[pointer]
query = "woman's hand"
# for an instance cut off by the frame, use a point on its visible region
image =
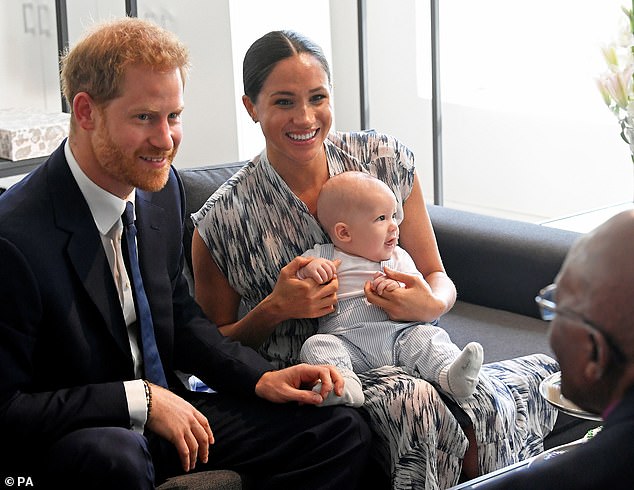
(319, 270)
(293, 297)
(415, 301)
(382, 283)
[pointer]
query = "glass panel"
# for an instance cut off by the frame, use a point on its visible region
(525, 131)
(84, 13)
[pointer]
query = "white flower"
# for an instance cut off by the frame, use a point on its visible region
(624, 33)
(616, 85)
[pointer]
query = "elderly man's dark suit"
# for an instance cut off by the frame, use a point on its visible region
(605, 461)
(64, 349)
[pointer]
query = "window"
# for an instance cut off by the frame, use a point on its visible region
(525, 131)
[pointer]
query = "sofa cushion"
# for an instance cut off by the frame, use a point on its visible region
(204, 480)
(503, 335)
(498, 262)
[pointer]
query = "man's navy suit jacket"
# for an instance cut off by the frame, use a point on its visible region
(64, 350)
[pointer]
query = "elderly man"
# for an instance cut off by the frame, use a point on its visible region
(591, 306)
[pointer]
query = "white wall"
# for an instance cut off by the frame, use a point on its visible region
(218, 33)
(251, 19)
(526, 132)
(395, 59)
(345, 63)
(209, 118)
(83, 13)
(531, 167)
(28, 56)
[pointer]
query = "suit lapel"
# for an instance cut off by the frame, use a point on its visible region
(152, 241)
(149, 225)
(85, 250)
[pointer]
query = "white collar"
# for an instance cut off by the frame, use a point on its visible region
(106, 208)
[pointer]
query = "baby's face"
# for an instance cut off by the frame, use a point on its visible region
(374, 230)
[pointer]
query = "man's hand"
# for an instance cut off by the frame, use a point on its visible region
(295, 383)
(179, 422)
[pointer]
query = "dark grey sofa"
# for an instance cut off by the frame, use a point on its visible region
(498, 266)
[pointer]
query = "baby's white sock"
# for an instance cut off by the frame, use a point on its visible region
(461, 376)
(352, 392)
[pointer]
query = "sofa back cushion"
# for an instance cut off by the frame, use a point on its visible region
(199, 184)
(498, 262)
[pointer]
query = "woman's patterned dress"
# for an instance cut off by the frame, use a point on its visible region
(254, 225)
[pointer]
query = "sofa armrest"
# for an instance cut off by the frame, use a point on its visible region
(498, 262)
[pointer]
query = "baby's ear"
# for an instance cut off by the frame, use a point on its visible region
(341, 231)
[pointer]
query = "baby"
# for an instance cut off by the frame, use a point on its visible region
(359, 213)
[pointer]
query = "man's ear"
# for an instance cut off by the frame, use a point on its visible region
(341, 231)
(250, 107)
(84, 111)
(598, 357)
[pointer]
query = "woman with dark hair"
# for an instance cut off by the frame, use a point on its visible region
(246, 252)
(263, 55)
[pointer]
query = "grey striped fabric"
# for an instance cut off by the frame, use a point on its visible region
(367, 337)
(254, 225)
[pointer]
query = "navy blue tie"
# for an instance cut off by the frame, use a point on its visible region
(151, 360)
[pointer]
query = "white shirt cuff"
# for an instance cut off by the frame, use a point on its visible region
(137, 404)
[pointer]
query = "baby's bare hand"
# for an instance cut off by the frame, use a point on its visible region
(381, 283)
(303, 298)
(319, 270)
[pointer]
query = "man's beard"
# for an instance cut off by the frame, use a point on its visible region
(128, 168)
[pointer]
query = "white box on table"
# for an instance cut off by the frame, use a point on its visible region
(27, 134)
